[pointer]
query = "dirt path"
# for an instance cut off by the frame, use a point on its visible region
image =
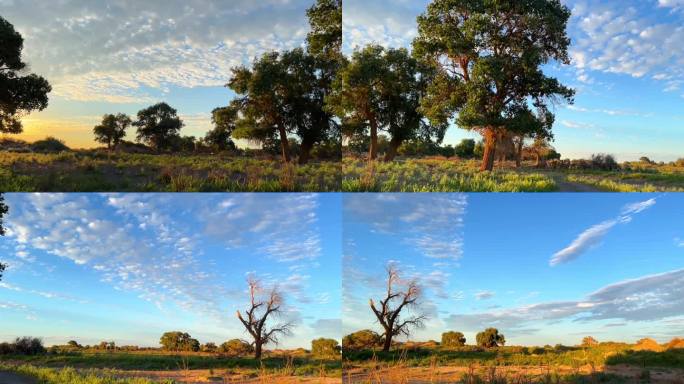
(13, 378)
(568, 186)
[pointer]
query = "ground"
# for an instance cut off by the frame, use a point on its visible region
(97, 171)
(14, 378)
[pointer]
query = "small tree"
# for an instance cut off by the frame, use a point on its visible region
(158, 125)
(490, 338)
(209, 347)
(19, 95)
(112, 130)
(263, 306)
(364, 339)
(179, 342)
(236, 347)
(453, 339)
(224, 120)
(74, 344)
(325, 347)
(396, 300)
(465, 149)
(589, 341)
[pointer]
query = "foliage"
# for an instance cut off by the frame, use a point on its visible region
(158, 125)
(179, 341)
(604, 162)
(19, 95)
(364, 339)
(489, 56)
(224, 124)
(589, 341)
(236, 347)
(112, 129)
(49, 145)
(490, 338)
(323, 347)
(465, 149)
(453, 339)
(28, 346)
(70, 376)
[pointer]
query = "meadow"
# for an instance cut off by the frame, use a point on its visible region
(441, 174)
(429, 363)
(98, 171)
(143, 367)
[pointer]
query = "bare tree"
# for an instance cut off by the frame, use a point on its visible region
(263, 305)
(397, 299)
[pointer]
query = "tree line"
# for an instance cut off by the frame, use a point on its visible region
(473, 63)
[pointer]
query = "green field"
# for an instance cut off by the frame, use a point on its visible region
(96, 171)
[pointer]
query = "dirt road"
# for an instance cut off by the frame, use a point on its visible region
(13, 378)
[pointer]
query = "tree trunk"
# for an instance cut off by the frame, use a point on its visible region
(284, 145)
(388, 342)
(489, 150)
(257, 350)
(373, 152)
(305, 151)
(394, 145)
(518, 152)
(539, 160)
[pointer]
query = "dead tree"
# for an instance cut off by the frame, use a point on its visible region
(397, 299)
(263, 306)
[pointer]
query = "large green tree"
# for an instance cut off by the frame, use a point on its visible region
(112, 129)
(3, 211)
(158, 126)
(489, 55)
(179, 342)
(490, 338)
(224, 120)
(19, 94)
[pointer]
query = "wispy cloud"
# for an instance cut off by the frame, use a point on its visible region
(484, 295)
(594, 235)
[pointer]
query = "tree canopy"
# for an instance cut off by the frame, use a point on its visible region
(364, 339)
(112, 129)
(490, 338)
(489, 57)
(224, 120)
(323, 347)
(453, 339)
(158, 126)
(179, 342)
(19, 95)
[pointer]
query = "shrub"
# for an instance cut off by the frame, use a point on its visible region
(490, 338)
(325, 347)
(28, 346)
(604, 162)
(49, 145)
(365, 339)
(453, 339)
(236, 347)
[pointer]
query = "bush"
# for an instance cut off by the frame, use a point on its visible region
(453, 339)
(365, 339)
(49, 145)
(236, 347)
(604, 162)
(490, 338)
(325, 347)
(28, 346)
(465, 149)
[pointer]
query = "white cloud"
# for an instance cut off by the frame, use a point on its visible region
(484, 295)
(593, 236)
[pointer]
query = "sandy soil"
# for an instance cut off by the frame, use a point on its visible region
(199, 376)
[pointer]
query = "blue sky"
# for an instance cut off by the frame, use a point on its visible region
(543, 269)
(121, 56)
(627, 61)
(129, 267)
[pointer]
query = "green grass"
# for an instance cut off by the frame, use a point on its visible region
(91, 171)
(148, 361)
(72, 376)
(434, 175)
(628, 182)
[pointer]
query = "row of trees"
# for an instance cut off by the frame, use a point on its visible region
(368, 339)
(475, 63)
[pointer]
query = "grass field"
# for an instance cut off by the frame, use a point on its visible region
(438, 174)
(606, 363)
(96, 171)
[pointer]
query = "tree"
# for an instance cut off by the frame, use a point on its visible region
(209, 347)
(179, 342)
(465, 149)
(74, 344)
(490, 338)
(364, 339)
(264, 305)
(158, 125)
(19, 95)
(3, 211)
(453, 339)
(224, 124)
(236, 347)
(325, 347)
(589, 341)
(489, 55)
(325, 20)
(112, 129)
(396, 300)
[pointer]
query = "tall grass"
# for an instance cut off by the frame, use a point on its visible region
(72, 376)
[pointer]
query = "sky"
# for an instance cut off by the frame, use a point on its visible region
(627, 69)
(124, 55)
(129, 267)
(543, 269)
